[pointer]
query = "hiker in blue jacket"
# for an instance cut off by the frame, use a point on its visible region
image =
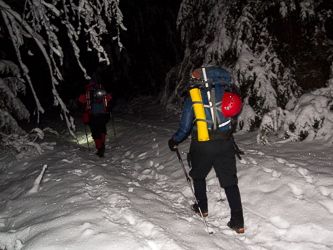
(219, 150)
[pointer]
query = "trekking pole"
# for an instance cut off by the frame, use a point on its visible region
(114, 131)
(220, 190)
(237, 150)
(85, 127)
(190, 184)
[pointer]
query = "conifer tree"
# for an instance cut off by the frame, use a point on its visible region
(275, 51)
(44, 24)
(11, 107)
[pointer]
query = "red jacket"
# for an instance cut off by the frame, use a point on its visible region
(83, 97)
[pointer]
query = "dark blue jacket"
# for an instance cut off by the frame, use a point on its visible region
(219, 76)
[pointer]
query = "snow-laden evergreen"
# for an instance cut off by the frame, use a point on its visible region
(11, 107)
(45, 22)
(254, 41)
(310, 119)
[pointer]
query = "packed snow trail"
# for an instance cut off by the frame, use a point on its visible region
(137, 196)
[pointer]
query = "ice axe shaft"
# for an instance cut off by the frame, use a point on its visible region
(208, 94)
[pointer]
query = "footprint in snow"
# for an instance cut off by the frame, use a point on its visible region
(67, 161)
(304, 172)
(324, 190)
(146, 228)
(127, 154)
(126, 161)
(297, 191)
(252, 151)
(146, 171)
(118, 201)
(291, 165)
(328, 204)
(156, 164)
(86, 229)
(276, 174)
(142, 156)
(273, 172)
(243, 161)
(267, 170)
(138, 225)
(283, 161)
(279, 222)
(77, 172)
(130, 219)
(280, 160)
(252, 161)
(88, 232)
(134, 183)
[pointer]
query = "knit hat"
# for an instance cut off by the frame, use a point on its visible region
(196, 73)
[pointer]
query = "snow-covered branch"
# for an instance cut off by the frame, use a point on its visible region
(311, 119)
(44, 21)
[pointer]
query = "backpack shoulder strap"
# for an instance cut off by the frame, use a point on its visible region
(88, 98)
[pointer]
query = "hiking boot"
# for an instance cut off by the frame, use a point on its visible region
(237, 229)
(100, 152)
(236, 222)
(202, 204)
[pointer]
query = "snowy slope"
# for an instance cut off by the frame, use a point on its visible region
(137, 197)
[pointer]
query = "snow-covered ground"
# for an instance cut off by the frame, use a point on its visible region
(137, 197)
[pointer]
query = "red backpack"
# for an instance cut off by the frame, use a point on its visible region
(96, 101)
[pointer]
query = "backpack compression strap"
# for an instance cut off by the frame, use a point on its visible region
(218, 118)
(198, 119)
(215, 116)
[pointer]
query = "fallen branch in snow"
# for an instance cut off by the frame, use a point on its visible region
(37, 181)
(20, 145)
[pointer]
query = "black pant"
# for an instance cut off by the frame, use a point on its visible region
(97, 124)
(219, 154)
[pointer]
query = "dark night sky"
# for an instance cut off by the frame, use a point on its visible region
(152, 48)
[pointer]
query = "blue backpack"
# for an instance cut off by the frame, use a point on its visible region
(96, 99)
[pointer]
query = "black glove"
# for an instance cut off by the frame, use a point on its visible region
(173, 144)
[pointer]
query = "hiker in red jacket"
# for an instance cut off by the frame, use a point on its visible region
(96, 110)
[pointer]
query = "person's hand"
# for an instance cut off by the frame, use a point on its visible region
(173, 144)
